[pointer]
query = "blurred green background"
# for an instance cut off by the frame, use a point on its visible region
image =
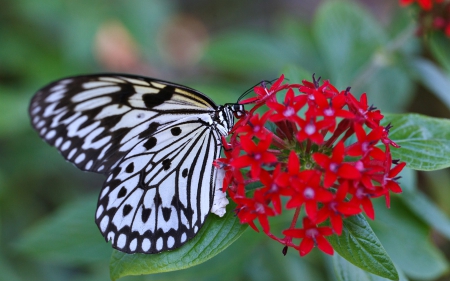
(222, 48)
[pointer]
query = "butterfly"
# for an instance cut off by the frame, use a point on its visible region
(154, 140)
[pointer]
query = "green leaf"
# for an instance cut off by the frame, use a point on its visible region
(68, 236)
(346, 271)
(424, 141)
(295, 74)
(407, 240)
(432, 77)
(425, 209)
(439, 47)
(244, 52)
(347, 37)
(215, 235)
(359, 245)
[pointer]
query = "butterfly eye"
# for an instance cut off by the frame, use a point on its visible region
(238, 110)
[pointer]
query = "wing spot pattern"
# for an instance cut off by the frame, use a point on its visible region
(72, 153)
(88, 94)
(159, 244)
(146, 244)
(99, 211)
(170, 242)
(89, 164)
(58, 87)
(150, 143)
(153, 100)
(184, 173)
(36, 119)
(111, 236)
(183, 237)
(122, 192)
(146, 214)
(127, 209)
(40, 124)
(80, 158)
(66, 145)
(166, 164)
(166, 213)
(175, 131)
(58, 141)
(51, 134)
(104, 223)
(104, 192)
(130, 168)
(121, 241)
(36, 110)
(95, 84)
(133, 245)
(57, 94)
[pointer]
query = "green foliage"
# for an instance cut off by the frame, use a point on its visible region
(47, 229)
(359, 245)
(424, 141)
(215, 235)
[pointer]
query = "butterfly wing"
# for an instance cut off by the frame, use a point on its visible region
(155, 140)
(95, 120)
(158, 197)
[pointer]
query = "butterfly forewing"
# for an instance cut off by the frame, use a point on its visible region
(90, 118)
(156, 141)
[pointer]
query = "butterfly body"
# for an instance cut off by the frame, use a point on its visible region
(156, 142)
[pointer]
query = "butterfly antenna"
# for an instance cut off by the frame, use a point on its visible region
(262, 83)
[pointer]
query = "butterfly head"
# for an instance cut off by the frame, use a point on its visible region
(225, 115)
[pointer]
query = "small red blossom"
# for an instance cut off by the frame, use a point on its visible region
(337, 208)
(257, 155)
(366, 143)
(255, 126)
(311, 236)
(311, 129)
(320, 150)
(289, 109)
(424, 4)
(434, 15)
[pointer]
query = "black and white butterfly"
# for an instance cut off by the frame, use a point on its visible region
(154, 140)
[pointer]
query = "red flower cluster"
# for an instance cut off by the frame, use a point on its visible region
(319, 149)
(435, 15)
(427, 5)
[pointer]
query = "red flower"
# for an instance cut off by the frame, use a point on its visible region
(257, 155)
(311, 130)
(289, 109)
(329, 109)
(337, 208)
(425, 4)
(312, 235)
(362, 197)
(366, 143)
(255, 126)
(272, 190)
(255, 207)
(264, 94)
(334, 167)
(302, 153)
(308, 191)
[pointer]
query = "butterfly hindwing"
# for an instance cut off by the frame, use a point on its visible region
(158, 197)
